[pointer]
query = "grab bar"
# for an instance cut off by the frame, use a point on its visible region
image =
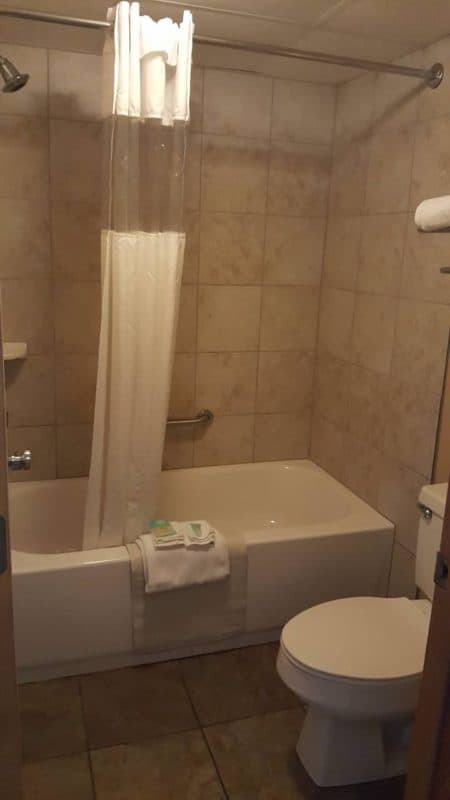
(202, 417)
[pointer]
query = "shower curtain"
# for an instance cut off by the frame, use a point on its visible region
(147, 68)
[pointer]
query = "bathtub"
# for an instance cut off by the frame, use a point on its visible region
(308, 539)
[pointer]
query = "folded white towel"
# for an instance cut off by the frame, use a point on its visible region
(177, 567)
(196, 534)
(433, 214)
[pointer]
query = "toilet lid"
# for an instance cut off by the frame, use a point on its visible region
(370, 638)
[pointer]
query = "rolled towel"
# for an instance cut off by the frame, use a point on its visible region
(166, 534)
(433, 214)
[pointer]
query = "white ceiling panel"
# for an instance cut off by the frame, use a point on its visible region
(413, 21)
(308, 12)
(344, 44)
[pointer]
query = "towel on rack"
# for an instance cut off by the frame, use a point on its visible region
(433, 214)
(167, 568)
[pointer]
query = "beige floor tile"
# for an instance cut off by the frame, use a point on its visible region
(256, 757)
(58, 779)
(131, 704)
(51, 719)
(235, 684)
(176, 767)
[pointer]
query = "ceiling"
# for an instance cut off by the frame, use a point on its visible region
(382, 30)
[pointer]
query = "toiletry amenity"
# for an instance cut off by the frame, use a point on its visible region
(433, 214)
(176, 555)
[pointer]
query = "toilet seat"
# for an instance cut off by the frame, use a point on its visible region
(357, 656)
(363, 638)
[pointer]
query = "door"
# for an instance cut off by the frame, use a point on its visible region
(10, 758)
(429, 762)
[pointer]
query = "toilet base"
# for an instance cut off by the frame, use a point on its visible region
(337, 751)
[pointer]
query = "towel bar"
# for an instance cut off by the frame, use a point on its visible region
(202, 417)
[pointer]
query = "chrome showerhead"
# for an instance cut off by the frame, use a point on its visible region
(13, 79)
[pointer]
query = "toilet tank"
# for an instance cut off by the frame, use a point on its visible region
(432, 501)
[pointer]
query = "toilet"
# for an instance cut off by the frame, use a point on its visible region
(357, 663)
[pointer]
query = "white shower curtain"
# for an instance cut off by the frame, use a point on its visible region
(147, 68)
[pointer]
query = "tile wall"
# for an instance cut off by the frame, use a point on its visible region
(257, 183)
(385, 308)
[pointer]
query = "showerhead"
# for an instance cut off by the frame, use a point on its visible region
(13, 79)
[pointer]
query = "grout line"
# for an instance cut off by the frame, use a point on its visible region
(321, 287)
(204, 737)
(262, 285)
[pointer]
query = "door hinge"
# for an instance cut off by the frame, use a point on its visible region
(3, 546)
(441, 571)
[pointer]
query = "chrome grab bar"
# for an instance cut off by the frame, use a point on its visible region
(20, 460)
(202, 417)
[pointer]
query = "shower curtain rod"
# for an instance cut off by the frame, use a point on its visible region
(432, 76)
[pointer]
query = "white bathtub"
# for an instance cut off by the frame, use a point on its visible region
(308, 540)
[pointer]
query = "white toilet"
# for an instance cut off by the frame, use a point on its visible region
(357, 664)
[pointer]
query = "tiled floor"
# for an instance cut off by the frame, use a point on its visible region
(207, 728)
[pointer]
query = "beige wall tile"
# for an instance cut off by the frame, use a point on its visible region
(231, 248)
(398, 495)
(24, 157)
(396, 100)
(431, 160)
(178, 448)
(28, 313)
(183, 386)
(303, 112)
(284, 382)
(187, 320)
(75, 256)
(298, 179)
(331, 389)
(282, 436)
(77, 316)
(234, 174)
(33, 100)
(75, 161)
(362, 468)
(73, 450)
(373, 331)
(76, 377)
(294, 251)
(342, 252)
(424, 255)
(335, 322)
(367, 394)
(354, 108)
(192, 171)
(226, 382)
(402, 581)
(24, 238)
(411, 424)
(41, 442)
(421, 343)
(30, 391)
(192, 246)
(381, 255)
(237, 104)
(289, 318)
(327, 447)
(228, 318)
(196, 99)
(389, 171)
(229, 440)
(75, 85)
(348, 177)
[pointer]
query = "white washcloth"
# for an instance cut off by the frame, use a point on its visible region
(433, 214)
(196, 534)
(177, 567)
